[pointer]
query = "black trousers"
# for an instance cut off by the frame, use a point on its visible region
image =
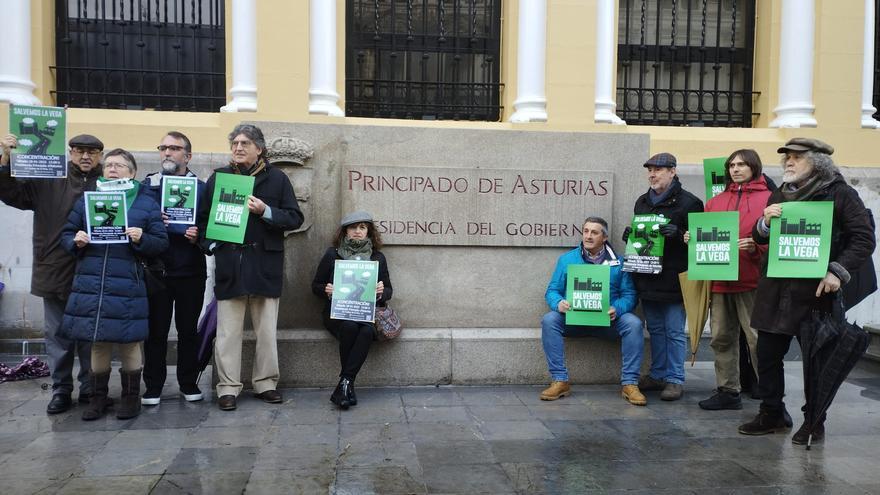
(772, 348)
(354, 338)
(183, 297)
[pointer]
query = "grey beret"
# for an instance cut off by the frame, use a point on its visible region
(356, 217)
(801, 144)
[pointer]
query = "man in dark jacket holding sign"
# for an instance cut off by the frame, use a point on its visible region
(782, 304)
(660, 293)
(250, 275)
(51, 200)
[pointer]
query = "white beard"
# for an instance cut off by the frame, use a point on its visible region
(169, 167)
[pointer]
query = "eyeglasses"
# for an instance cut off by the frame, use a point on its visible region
(113, 165)
(85, 151)
(243, 144)
(172, 147)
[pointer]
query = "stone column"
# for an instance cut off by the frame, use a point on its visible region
(243, 93)
(606, 42)
(323, 98)
(795, 107)
(15, 69)
(868, 109)
(531, 57)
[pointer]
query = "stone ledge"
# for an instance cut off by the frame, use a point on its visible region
(440, 356)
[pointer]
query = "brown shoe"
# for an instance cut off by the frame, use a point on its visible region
(672, 391)
(226, 402)
(556, 390)
(633, 395)
(271, 396)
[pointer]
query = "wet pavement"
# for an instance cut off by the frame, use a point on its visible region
(440, 440)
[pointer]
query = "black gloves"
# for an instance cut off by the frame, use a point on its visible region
(668, 230)
(626, 232)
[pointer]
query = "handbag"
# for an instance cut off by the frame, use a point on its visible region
(154, 274)
(387, 323)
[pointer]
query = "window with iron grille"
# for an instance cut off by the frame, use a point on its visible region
(136, 54)
(423, 59)
(876, 99)
(686, 62)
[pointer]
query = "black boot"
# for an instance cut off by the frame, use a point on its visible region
(765, 422)
(340, 396)
(802, 436)
(98, 402)
(352, 397)
(130, 403)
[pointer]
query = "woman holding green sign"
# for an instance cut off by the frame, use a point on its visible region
(108, 301)
(356, 239)
(746, 192)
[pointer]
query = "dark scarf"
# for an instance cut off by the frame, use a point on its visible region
(807, 190)
(253, 170)
(656, 198)
(356, 250)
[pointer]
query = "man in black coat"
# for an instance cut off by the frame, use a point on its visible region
(660, 294)
(52, 275)
(782, 304)
(250, 275)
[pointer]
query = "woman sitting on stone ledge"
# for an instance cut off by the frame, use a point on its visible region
(356, 239)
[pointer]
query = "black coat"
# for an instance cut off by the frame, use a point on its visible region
(664, 286)
(108, 302)
(782, 303)
(324, 276)
(182, 258)
(257, 266)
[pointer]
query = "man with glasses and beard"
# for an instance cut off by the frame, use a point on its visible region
(52, 273)
(182, 294)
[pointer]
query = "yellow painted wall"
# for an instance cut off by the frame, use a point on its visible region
(283, 82)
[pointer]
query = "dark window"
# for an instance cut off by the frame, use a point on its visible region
(135, 54)
(876, 98)
(686, 62)
(423, 59)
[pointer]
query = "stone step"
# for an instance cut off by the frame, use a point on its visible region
(873, 352)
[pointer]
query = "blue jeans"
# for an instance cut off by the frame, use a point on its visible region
(627, 326)
(668, 343)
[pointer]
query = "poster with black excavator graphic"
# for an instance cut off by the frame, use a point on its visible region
(800, 240)
(587, 290)
(229, 213)
(180, 198)
(713, 250)
(713, 171)
(644, 249)
(106, 217)
(354, 290)
(42, 141)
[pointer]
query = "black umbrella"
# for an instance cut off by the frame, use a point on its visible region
(831, 347)
(207, 330)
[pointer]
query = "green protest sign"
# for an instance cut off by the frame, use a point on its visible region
(42, 141)
(588, 291)
(644, 249)
(106, 217)
(713, 250)
(354, 290)
(800, 240)
(180, 198)
(713, 172)
(229, 214)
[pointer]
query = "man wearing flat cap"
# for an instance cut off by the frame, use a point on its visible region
(52, 274)
(660, 294)
(782, 304)
(250, 276)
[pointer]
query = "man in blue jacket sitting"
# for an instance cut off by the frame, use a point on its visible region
(593, 250)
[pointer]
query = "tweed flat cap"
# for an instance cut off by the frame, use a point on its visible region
(356, 217)
(806, 144)
(86, 141)
(662, 160)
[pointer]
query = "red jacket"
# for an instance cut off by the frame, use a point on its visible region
(749, 199)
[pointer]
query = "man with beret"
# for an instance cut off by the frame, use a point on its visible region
(660, 294)
(250, 276)
(52, 274)
(782, 304)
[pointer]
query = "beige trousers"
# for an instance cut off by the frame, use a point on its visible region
(729, 314)
(227, 345)
(130, 354)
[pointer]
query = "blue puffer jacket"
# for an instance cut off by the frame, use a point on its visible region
(108, 302)
(623, 291)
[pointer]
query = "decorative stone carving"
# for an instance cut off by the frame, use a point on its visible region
(286, 151)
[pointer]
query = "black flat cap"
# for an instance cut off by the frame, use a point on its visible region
(800, 145)
(662, 160)
(86, 141)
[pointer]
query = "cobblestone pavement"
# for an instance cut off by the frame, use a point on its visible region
(498, 439)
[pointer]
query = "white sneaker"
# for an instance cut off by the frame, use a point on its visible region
(193, 397)
(150, 401)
